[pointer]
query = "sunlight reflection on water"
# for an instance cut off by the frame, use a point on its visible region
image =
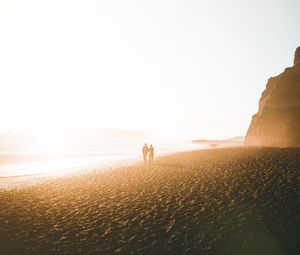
(52, 167)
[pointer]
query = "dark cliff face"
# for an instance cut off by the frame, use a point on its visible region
(277, 122)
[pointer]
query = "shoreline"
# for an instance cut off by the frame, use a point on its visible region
(22, 181)
(26, 179)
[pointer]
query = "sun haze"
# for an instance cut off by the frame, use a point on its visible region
(181, 69)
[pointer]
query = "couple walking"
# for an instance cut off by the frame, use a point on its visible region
(147, 150)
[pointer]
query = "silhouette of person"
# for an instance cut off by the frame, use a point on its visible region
(145, 151)
(151, 154)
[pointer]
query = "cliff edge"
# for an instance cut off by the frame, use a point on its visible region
(277, 122)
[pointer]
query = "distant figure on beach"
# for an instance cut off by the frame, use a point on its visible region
(213, 145)
(151, 154)
(145, 151)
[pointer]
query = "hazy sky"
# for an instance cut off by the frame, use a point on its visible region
(186, 69)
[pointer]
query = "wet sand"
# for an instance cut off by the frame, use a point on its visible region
(22, 180)
(223, 201)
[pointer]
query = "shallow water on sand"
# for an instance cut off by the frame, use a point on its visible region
(56, 167)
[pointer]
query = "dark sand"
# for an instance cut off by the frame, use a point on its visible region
(224, 201)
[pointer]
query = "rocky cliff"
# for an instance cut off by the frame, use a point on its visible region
(277, 122)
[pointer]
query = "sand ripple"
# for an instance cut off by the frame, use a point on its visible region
(229, 201)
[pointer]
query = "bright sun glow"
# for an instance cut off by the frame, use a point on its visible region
(57, 105)
(175, 69)
(49, 145)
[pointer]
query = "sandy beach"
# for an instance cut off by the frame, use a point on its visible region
(222, 201)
